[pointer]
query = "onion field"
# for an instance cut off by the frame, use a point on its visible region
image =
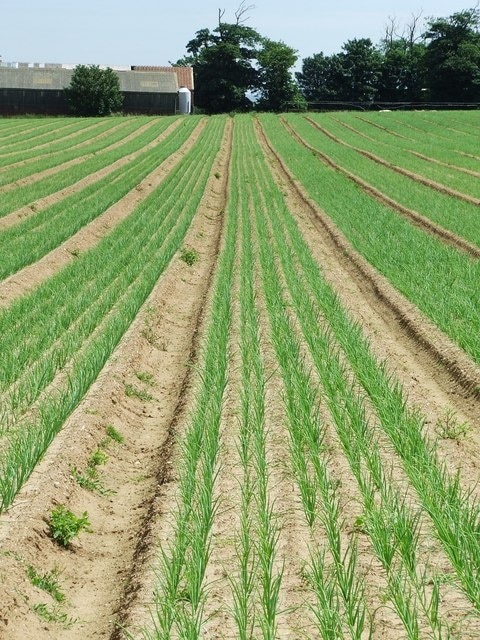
(242, 354)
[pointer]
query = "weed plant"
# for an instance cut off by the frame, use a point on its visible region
(65, 525)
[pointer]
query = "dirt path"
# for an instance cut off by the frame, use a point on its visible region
(26, 279)
(104, 570)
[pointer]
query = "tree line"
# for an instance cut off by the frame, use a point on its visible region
(236, 68)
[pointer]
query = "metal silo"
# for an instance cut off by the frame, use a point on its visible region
(184, 101)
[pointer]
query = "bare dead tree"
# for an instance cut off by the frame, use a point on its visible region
(240, 13)
(391, 30)
(412, 34)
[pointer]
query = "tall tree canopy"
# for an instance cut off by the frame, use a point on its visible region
(402, 74)
(278, 90)
(351, 75)
(223, 64)
(234, 60)
(453, 56)
(360, 70)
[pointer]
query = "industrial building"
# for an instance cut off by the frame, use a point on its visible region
(39, 89)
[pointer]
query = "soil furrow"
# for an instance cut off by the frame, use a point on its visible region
(35, 177)
(469, 172)
(382, 128)
(132, 612)
(101, 574)
(463, 372)
(38, 205)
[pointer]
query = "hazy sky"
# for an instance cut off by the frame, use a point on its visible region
(116, 32)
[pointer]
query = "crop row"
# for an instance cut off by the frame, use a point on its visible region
(449, 212)
(279, 280)
(31, 239)
(447, 294)
(29, 193)
(32, 162)
(51, 132)
(391, 526)
(56, 340)
(394, 132)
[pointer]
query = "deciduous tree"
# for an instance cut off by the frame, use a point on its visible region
(453, 56)
(223, 62)
(278, 90)
(94, 91)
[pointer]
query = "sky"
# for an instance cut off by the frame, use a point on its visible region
(152, 32)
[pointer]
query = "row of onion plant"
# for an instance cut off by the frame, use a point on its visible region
(452, 509)
(446, 292)
(257, 588)
(408, 137)
(59, 134)
(452, 140)
(66, 329)
(92, 143)
(31, 239)
(335, 584)
(462, 218)
(387, 148)
(392, 526)
(179, 596)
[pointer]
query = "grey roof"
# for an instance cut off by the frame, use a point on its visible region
(57, 79)
(34, 78)
(148, 81)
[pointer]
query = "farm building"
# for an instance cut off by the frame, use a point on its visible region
(39, 90)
